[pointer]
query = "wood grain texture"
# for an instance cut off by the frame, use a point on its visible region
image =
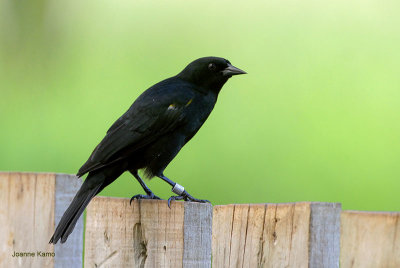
(271, 235)
(27, 219)
(286, 233)
(324, 247)
(149, 234)
(221, 235)
(370, 239)
(68, 254)
(144, 234)
(197, 235)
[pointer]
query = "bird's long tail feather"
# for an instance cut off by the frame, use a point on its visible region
(74, 211)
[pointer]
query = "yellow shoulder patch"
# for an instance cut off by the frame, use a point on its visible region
(189, 102)
(172, 106)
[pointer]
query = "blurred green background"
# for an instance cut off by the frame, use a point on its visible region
(316, 119)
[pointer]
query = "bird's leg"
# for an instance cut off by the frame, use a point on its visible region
(181, 192)
(150, 194)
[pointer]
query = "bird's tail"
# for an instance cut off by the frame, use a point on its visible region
(67, 223)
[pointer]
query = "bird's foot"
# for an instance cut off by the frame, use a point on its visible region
(185, 196)
(142, 196)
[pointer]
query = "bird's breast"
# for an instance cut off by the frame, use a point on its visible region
(196, 113)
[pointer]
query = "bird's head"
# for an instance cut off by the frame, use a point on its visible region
(211, 73)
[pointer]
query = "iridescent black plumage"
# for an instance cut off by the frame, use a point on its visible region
(151, 133)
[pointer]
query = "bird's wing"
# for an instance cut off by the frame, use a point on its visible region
(150, 117)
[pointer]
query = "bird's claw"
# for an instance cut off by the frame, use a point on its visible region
(142, 196)
(187, 197)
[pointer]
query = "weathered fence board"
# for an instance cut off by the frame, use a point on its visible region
(147, 234)
(276, 235)
(68, 254)
(324, 245)
(370, 239)
(29, 207)
(197, 235)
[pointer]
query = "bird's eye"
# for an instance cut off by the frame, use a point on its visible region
(212, 67)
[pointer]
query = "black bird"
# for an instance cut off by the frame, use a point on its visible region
(150, 134)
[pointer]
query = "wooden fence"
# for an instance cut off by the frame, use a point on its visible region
(149, 234)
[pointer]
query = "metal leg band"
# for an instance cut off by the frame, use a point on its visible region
(178, 189)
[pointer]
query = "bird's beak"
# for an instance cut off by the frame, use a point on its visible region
(232, 70)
